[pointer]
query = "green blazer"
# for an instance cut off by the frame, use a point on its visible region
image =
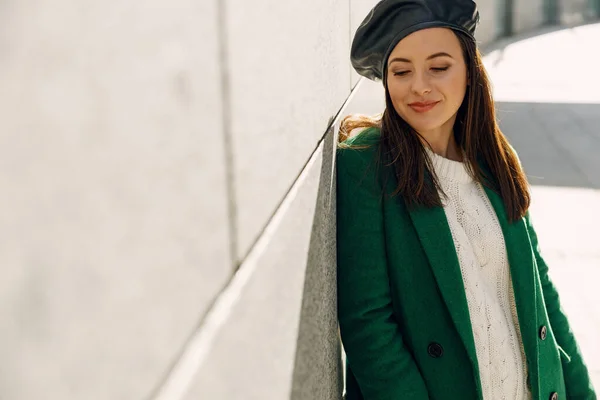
(402, 309)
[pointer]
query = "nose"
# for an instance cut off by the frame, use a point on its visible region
(420, 84)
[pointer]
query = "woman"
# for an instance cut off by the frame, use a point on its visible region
(442, 291)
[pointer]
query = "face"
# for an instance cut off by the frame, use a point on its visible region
(427, 80)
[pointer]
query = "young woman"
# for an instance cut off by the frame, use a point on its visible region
(442, 291)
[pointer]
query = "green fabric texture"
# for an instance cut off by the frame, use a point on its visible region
(400, 294)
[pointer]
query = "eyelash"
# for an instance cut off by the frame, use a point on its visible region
(402, 73)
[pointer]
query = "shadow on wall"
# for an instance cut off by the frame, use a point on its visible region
(318, 349)
(558, 144)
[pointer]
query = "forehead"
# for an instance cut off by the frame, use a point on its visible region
(424, 42)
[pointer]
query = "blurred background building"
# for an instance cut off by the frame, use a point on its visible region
(167, 194)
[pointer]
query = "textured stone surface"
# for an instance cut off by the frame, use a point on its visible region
(279, 340)
(289, 76)
(113, 209)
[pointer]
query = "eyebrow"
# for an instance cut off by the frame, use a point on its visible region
(440, 54)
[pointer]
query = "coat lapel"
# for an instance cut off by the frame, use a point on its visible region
(435, 236)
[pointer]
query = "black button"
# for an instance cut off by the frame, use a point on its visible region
(435, 350)
(554, 396)
(543, 332)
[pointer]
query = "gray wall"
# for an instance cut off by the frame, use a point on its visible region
(168, 203)
(114, 199)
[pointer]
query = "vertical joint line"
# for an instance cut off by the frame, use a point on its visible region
(227, 134)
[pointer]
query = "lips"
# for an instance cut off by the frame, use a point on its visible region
(422, 107)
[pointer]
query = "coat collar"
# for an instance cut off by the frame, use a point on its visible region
(435, 236)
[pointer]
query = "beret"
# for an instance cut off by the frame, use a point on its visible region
(392, 20)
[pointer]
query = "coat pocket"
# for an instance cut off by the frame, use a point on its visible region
(564, 354)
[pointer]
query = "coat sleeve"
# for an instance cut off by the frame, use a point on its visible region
(577, 379)
(375, 352)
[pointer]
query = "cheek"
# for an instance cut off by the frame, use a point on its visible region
(454, 87)
(398, 93)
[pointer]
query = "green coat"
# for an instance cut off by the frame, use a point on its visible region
(402, 309)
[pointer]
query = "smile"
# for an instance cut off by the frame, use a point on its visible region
(422, 107)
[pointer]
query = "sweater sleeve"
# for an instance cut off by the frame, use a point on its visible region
(577, 379)
(375, 352)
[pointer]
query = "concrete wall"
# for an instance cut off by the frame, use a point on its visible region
(114, 216)
(168, 208)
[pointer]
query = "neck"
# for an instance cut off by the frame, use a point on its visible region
(443, 144)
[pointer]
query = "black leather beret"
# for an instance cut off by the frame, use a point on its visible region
(392, 20)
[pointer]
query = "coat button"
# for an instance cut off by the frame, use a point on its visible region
(435, 350)
(543, 332)
(554, 396)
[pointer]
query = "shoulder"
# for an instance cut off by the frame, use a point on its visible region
(359, 151)
(366, 136)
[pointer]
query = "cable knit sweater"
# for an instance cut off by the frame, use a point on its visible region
(481, 251)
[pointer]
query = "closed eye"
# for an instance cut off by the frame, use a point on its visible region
(439, 69)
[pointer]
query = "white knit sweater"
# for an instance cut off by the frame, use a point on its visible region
(481, 251)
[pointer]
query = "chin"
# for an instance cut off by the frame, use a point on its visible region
(424, 126)
(426, 122)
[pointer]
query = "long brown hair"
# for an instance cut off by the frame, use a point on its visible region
(476, 132)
